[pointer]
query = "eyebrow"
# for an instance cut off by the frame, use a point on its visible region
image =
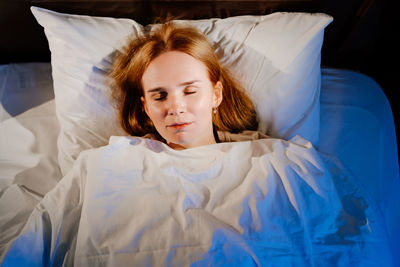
(157, 89)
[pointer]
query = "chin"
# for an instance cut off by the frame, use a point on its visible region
(181, 139)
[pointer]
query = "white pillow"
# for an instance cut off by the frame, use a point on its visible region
(276, 56)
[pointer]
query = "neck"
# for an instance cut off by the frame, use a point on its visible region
(184, 146)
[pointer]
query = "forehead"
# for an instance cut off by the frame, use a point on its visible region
(173, 68)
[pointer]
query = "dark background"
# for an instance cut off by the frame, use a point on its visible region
(363, 36)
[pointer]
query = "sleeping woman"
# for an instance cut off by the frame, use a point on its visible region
(178, 191)
(171, 85)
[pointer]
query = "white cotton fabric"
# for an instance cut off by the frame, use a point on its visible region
(276, 56)
(28, 129)
(253, 203)
(28, 150)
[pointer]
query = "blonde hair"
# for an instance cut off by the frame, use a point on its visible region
(236, 111)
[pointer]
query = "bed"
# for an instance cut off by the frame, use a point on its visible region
(346, 117)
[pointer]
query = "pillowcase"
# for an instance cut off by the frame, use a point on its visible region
(276, 56)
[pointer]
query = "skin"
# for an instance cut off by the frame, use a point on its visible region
(179, 99)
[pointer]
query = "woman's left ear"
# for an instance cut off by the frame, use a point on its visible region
(218, 88)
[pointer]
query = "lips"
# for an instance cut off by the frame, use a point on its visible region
(179, 125)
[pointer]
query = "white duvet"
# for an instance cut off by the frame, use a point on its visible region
(137, 202)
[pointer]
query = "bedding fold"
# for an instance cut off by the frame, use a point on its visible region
(261, 202)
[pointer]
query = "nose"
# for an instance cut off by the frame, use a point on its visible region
(176, 105)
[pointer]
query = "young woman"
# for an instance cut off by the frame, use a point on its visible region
(170, 85)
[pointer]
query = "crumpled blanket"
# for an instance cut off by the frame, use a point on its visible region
(265, 202)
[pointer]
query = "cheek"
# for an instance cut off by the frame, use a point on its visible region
(154, 112)
(202, 105)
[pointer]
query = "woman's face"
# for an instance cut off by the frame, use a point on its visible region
(179, 98)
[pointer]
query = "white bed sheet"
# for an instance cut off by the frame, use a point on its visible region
(28, 128)
(28, 136)
(359, 131)
(265, 202)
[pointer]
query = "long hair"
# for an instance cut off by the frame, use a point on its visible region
(236, 111)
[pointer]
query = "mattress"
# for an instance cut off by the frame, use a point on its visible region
(357, 127)
(357, 133)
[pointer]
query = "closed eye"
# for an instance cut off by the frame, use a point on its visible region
(190, 92)
(160, 96)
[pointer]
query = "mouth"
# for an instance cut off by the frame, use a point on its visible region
(178, 126)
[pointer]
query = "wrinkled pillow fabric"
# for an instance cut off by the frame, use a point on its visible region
(277, 57)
